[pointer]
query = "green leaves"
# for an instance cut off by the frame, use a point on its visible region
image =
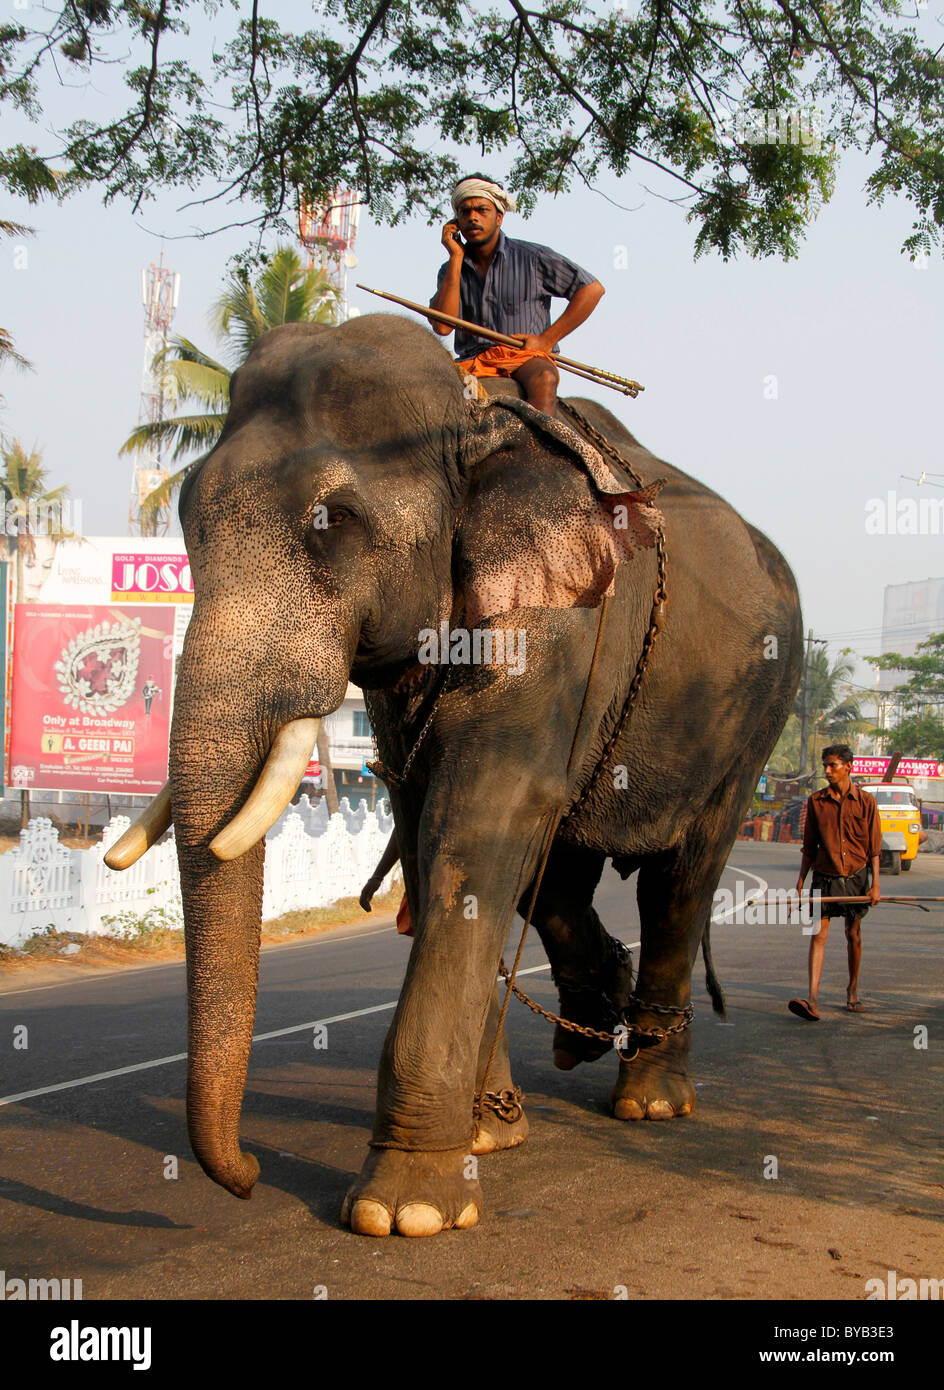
(397, 97)
(926, 684)
(920, 729)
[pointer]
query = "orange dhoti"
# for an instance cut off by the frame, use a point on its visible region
(404, 925)
(500, 360)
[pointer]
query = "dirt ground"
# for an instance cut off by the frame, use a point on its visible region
(42, 961)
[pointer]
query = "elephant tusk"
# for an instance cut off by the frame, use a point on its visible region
(146, 831)
(275, 786)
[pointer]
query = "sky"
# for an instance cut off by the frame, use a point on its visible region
(800, 391)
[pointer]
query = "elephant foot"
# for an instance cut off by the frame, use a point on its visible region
(501, 1125)
(655, 1085)
(594, 1000)
(414, 1194)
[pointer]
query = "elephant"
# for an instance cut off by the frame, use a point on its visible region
(360, 498)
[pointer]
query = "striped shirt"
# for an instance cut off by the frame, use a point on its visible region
(515, 296)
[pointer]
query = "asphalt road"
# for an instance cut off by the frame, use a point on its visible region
(850, 1109)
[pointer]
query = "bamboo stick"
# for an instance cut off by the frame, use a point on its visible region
(598, 374)
(896, 898)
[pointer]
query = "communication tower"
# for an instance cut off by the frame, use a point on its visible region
(160, 290)
(328, 233)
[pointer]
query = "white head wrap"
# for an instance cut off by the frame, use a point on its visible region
(482, 188)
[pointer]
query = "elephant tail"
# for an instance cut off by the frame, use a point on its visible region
(712, 984)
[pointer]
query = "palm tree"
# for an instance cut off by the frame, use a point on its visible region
(23, 482)
(834, 715)
(8, 352)
(284, 292)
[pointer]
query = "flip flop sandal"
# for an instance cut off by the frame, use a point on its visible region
(802, 1010)
(855, 1007)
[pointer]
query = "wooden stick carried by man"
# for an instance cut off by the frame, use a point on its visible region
(496, 292)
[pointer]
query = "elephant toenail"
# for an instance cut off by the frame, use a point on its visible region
(468, 1217)
(484, 1143)
(659, 1110)
(370, 1218)
(628, 1109)
(419, 1219)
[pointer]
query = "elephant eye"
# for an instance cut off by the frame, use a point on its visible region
(326, 518)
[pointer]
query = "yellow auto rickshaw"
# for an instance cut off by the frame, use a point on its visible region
(899, 811)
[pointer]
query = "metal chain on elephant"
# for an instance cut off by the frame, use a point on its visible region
(506, 1104)
(379, 768)
(660, 1034)
(656, 615)
(599, 439)
(656, 622)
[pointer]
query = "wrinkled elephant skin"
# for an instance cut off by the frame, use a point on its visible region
(356, 501)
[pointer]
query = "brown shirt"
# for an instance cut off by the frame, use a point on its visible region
(841, 834)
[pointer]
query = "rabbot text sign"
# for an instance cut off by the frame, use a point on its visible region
(92, 691)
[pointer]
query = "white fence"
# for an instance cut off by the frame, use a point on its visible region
(311, 860)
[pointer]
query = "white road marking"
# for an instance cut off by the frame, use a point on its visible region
(289, 945)
(299, 1027)
(752, 897)
(182, 1056)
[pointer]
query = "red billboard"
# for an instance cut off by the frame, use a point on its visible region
(92, 688)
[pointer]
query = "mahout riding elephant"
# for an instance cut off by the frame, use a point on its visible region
(358, 500)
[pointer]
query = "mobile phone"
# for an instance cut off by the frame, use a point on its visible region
(457, 238)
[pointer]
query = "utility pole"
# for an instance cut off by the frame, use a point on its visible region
(805, 703)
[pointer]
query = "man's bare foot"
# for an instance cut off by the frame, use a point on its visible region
(804, 1009)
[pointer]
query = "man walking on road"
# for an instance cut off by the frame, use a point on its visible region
(507, 286)
(842, 841)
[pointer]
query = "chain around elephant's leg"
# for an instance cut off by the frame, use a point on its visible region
(673, 894)
(500, 1121)
(422, 1173)
(592, 970)
(655, 1085)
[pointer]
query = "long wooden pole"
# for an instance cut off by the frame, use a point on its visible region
(897, 898)
(605, 378)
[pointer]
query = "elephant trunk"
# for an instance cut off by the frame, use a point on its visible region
(235, 761)
(222, 918)
(210, 781)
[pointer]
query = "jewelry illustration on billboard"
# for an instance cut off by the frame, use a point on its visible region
(98, 669)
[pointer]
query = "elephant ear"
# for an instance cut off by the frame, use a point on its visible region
(546, 519)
